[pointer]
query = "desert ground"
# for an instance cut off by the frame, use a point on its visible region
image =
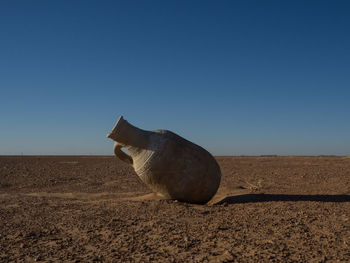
(96, 209)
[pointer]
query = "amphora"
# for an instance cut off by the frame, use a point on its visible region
(167, 163)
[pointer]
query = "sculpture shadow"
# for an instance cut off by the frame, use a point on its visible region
(258, 198)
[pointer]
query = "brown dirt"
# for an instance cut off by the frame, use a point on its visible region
(268, 209)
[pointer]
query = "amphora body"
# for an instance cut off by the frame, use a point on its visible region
(167, 163)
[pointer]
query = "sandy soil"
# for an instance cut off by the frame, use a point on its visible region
(95, 209)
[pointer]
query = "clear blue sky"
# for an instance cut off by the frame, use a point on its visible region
(236, 77)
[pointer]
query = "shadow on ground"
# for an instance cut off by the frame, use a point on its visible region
(255, 198)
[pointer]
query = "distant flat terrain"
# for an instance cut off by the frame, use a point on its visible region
(96, 209)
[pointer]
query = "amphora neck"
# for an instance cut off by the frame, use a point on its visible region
(129, 135)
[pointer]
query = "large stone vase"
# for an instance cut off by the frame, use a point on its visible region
(167, 163)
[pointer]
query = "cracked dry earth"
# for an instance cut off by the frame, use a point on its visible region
(95, 209)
